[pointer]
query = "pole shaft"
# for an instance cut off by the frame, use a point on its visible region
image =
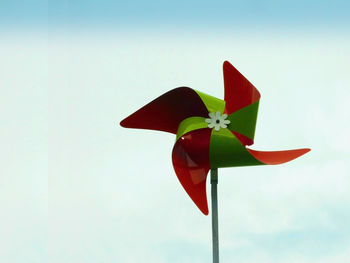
(214, 213)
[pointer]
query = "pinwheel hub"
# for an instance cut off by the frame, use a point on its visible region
(217, 121)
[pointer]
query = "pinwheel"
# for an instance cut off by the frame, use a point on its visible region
(210, 133)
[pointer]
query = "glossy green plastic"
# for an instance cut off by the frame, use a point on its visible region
(190, 124)
(226, 150)
(213, 104)
(243, 121)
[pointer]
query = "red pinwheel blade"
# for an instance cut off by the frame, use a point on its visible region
(277, 157)
(239, 92)
(167, 111)
(191, 163)
(243, 139)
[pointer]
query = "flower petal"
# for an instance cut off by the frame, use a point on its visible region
(208, 120)
(211, 115)
(226, 122)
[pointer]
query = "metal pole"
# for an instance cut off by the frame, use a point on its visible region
(214, 213)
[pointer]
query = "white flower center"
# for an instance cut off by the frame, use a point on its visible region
(217, 121)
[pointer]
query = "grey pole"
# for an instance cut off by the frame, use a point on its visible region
(214, 213)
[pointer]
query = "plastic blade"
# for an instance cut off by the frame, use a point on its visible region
(239, 92)
(167, 111)
(191, 163)
(277, 157)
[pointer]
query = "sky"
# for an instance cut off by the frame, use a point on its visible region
(154, 14)
(78, 188)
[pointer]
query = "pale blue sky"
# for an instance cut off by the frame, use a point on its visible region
(109, 13)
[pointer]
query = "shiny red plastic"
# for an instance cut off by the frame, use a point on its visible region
(277, 157)
(191, 163)
(239, 92)
(167, 111)
(243, 139)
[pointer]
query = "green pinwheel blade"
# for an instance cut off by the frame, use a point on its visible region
(213, 104)
(190, 124)
(193, 123)
(243, 121)
(226, 151)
